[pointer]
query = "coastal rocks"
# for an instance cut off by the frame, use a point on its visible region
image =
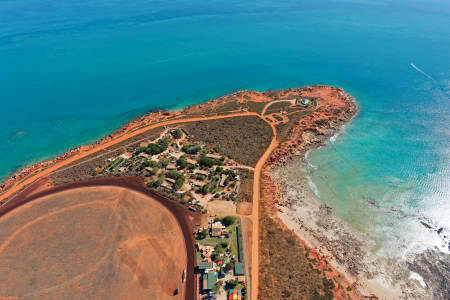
(346, 250)
(434, 267)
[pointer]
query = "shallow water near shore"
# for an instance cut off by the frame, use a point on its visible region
(71, 72)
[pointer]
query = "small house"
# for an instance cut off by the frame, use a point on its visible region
(144, 155)
(205, 266)
(216, 229)
(171, 180)
(126, 155)
(171, 167)
(209, 280)
(213, 156)
(201, 172)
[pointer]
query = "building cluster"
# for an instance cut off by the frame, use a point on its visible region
(220, 268)
(174, 164)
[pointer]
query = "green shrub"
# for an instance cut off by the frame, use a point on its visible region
(228, 220)
(177, 133)
(320, 122)
(192, 148)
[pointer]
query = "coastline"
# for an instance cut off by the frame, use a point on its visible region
(349, 252)
(329, 105)
(291, 202)
(153, 116)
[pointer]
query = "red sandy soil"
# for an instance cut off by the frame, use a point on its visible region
(336, 108)
(99, 242)
(333, 106)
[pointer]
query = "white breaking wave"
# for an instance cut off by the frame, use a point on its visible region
(334, 137)
(309, 163)
(421, 72)
(313, 187)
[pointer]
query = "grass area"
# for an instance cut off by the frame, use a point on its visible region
(234, 246)
(243, 139)
(211, 241)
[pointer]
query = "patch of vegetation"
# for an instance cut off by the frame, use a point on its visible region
(87, 167)
(243, 139)
(228, 106)
(245, 193)
(177, 133)
(201, 235)
(182, 162)
(321, 122)
(256, 107)
(283, 130)
(285, 271)
(277, 118)
(276, 107)
(155, 148)
(205, 161)
(204, 189)
(192, 148)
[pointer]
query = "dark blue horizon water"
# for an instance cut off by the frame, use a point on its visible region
(73, 71)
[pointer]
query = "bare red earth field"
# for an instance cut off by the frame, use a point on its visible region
(99, 242)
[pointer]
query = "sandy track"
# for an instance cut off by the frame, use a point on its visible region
(256, 182)
(255, 211)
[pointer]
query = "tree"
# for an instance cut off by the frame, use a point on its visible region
(215, 257)
(229, 266)
(182, 162)
(164, 162)
(192, 149)
(217, 286)
(159, 181)
(140, 150)
(244, 292)
(231, 284)
(202, 234)
(179, 182)
(228, 220)
(177, 133)
(174, 174)
(204, 189)
(205, 161)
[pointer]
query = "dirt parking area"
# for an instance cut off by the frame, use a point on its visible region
(92, 243)
(221, 208)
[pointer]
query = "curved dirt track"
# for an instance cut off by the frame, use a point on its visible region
(255, 211)
(117, 140)
(99, 239)
(256, 186)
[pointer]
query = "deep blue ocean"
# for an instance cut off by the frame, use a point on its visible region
(73, 71)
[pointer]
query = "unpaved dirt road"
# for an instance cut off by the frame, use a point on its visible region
(256, 179)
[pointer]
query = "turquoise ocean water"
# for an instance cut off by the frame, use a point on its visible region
(73, 71)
